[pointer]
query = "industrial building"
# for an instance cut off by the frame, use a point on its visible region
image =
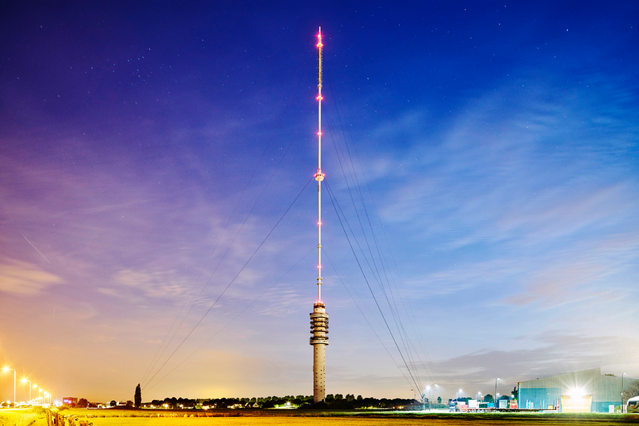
(586, 391)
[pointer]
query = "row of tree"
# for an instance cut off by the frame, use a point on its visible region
(338, 401)
(300, 401)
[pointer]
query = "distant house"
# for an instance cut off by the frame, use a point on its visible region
(69, 400)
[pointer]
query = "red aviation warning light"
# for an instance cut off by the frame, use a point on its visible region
(319, 64)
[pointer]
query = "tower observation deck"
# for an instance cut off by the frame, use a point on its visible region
(319, 317)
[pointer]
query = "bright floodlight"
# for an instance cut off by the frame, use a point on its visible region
(576, 392)
(5, 369)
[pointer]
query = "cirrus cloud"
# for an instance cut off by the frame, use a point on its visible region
(17, 277)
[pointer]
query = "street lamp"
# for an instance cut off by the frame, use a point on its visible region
(460, 393)
(429, 403)
(39, 390)
(496, 391)
(622, 392)
(25, 380)
(6, 369)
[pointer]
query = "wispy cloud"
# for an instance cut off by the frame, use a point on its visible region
(24, 278)
(557, 354)
(503, 173)
(156, 284)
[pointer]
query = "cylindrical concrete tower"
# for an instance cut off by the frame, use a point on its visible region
(319, 340)
(319, 317)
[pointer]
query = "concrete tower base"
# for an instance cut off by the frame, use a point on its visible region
(319, 372)
(319, 340)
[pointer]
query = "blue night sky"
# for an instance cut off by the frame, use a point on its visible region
(483, 156)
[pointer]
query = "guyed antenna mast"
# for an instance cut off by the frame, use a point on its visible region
(319, 176)
(319, 317)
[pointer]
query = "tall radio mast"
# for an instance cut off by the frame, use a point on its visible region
(319, 317)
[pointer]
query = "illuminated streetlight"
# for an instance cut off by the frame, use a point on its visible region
(39, 390)
(623, 374)
(6, 369)
(496, 391)
(429, 389)
(25, 380)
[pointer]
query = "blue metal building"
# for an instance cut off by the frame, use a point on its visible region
(581, 391)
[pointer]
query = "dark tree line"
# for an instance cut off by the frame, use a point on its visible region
(631, 391)
(337, 401)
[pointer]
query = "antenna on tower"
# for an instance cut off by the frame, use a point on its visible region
(319, 317)
(319, 176)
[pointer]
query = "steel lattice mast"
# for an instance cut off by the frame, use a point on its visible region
(319, 317)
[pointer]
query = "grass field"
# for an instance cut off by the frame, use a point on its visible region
(22, 417)
(340, 421)
(308, 418)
